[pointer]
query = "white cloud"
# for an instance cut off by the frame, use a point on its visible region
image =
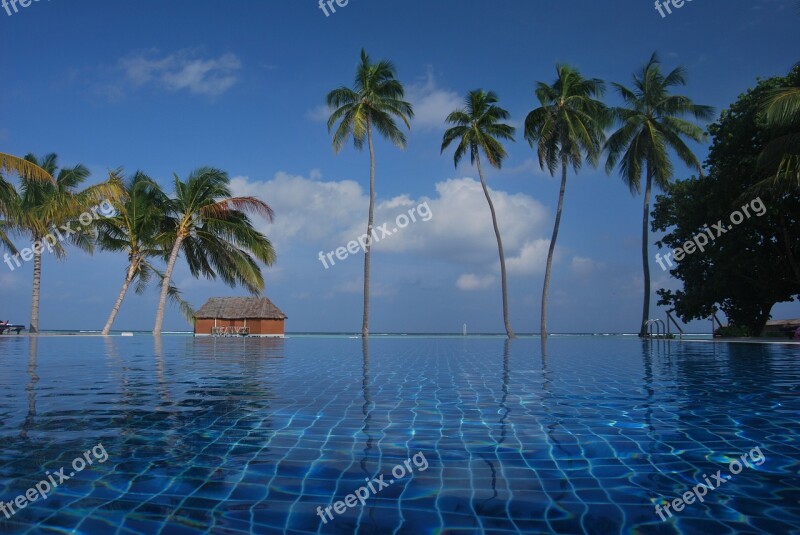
(329, 214)
(307, 210)
(461, 227)
(531, 259)
(432, 104)
(182, 70)
(471, 282)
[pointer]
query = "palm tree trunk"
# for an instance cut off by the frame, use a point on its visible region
(504, 282)
(646, 254)
(162, 301)
(118, 304)
(551, 251)
(37, 284)
(370, 223)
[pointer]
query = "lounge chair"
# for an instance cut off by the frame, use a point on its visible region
(8, 327)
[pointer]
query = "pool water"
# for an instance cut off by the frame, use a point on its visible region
(253, 436)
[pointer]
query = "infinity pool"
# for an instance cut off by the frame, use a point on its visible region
(261, 436)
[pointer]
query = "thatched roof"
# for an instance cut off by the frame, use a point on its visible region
(230, 308)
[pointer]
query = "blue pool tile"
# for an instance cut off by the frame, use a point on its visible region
(251, 436)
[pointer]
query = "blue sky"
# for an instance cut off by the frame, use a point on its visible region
(169, 86)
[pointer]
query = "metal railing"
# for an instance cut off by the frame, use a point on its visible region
(230, 331)
(660, 328)
(670, 319)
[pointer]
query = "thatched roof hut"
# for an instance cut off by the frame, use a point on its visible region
(254, 316)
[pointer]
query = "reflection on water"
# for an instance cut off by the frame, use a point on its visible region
(366, 410)
(30, 389)
(250, 435)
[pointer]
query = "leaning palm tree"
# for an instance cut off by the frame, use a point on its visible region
(477, 127)
(8, 195)
(566, 128)
(372, 104)
(651, 124)
(45, 209)
(133, 228)
(212, 229)
(9, 201)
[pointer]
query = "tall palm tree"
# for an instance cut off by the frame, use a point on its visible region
(215, 234)
(44, 206)
(652, 124)
(135, 225)
(477, 127)
(374, 102)
(568, 129)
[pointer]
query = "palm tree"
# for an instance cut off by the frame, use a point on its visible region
(651, 124)
(568, 128)
(373, 103)
(477, 128)
(137, 222)
(214, 233)
(8, 195)
(781, 111)
(9, 200)
(44, 206)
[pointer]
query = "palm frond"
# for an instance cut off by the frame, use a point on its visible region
(375, 100)
(651, 124)
(24, 169)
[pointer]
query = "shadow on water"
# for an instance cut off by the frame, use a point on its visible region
(647, 358)
(492, 457)
(366, 410)
(543, 343)
(562, 444)
(30, 389)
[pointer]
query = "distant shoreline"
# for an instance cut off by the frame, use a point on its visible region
(687, 337)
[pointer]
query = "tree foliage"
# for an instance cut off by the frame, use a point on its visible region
(755, 264)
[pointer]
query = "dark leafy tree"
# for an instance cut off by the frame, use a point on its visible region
(753, 265)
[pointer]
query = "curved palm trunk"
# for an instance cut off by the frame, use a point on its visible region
(551, 251)
(504, 282)
(37, 284)
(370, 222)
(646, 254)
(118, 304)
(162, 301)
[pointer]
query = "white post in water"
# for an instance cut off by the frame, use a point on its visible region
(464, 330)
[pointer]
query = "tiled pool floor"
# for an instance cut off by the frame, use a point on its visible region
(252, 436)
